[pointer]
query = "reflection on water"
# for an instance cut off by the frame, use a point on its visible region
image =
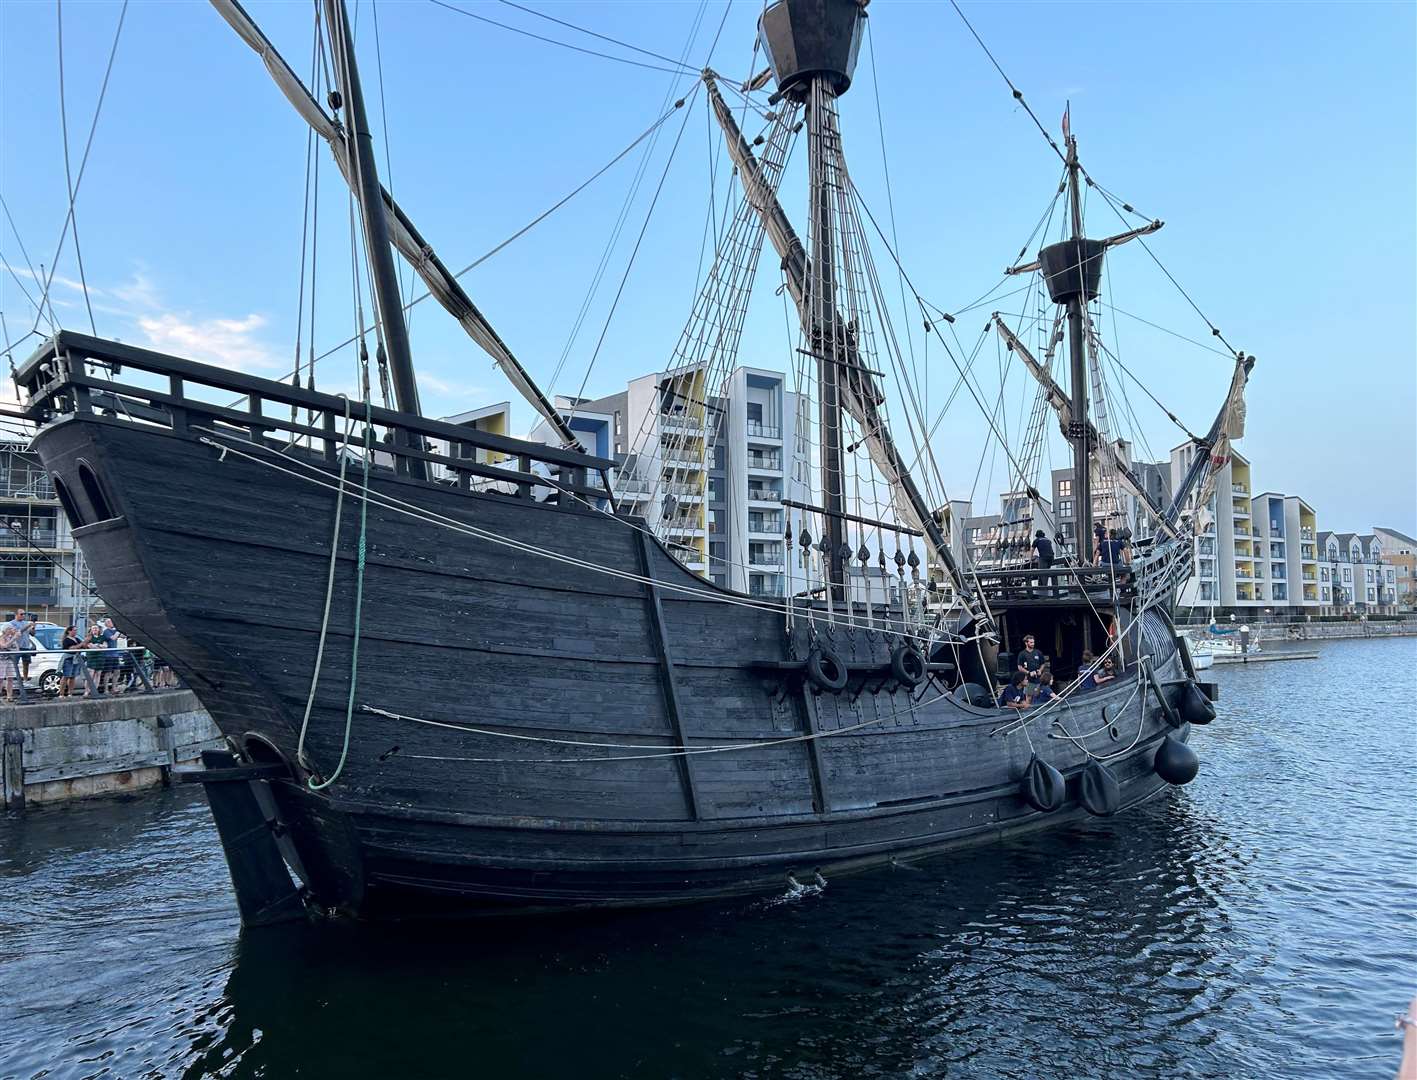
(1255, 924)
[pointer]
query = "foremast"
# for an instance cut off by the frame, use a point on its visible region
(441, 282)
(391, 330)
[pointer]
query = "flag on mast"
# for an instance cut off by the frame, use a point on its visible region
(1067, 129)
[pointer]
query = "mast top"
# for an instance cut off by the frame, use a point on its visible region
(812, 38)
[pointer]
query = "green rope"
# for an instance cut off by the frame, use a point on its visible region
(358, 607)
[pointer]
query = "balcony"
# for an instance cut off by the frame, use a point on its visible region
(765, 523)
(1239, 489)
(759, 430)
(39, 538)
(765, 586)
(683, 461)
(681, 422)
(772, 462)
(1243, 533)
(765, 558)
(764, 495)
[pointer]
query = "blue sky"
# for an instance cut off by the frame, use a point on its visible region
(1276, 140)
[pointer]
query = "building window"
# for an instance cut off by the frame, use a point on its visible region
(1279, 592)
(1371, 597)
(1323, 573)
(1325, 593)
(755, 411)
(1347, 574)
(1065, 488)
(1370, 575)
(1207, 590)
(1065, 507)
(1389, 577)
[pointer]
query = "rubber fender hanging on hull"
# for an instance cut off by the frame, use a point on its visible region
(1175, 762)
(1195, 707)
(908, 665)
(973, 694)
(1101, 794)
(825, 670)
(1043, 786)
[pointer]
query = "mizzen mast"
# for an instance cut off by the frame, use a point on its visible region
(1072, 269)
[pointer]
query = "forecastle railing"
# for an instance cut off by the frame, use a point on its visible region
(74, 373)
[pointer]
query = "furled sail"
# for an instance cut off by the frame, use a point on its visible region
(442, 285)
(1213, 452)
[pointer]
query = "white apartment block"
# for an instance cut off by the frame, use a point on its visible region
(1354, 576)
(707, 471)
(1254, 552)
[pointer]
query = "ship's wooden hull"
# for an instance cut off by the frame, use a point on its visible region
(219, 563)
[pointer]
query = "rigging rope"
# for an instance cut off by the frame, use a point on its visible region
(681, 70)
(83, 164)
(68, 173)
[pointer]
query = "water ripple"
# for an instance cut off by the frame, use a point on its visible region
(1258, 923)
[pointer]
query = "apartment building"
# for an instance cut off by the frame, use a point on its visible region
(718, 465)
(1401, 550)
(1112, 506)
(1354, 576)
(1285, 549)
(40, 568)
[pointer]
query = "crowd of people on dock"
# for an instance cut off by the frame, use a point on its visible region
(117, 664)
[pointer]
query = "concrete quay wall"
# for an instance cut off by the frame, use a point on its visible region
(1333, 631)
(71, 749)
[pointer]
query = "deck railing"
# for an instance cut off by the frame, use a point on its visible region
(74, 373)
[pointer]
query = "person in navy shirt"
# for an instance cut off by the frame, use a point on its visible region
(1014, 695)
(1045, 688)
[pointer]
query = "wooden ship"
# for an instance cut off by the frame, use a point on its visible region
(458, 675)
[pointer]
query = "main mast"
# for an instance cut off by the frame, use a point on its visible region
(1077, 354)
(812, 46)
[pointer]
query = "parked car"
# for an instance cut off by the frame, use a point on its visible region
(47, 659)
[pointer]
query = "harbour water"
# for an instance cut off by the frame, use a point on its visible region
(1259, 923)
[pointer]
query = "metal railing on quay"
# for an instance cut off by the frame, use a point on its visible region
(83, 673)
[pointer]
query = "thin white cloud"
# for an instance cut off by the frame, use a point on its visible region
(228, 343)
(137, 291)
(448, 388)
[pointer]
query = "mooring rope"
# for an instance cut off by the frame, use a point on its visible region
(329, 594)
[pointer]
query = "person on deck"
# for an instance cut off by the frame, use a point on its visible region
(1099, 536)
(1045, 687)
(1107, 674)
(1015, 696)
(1030, 661)
(1109, 549)
(1042, 550)
(1085, 672)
